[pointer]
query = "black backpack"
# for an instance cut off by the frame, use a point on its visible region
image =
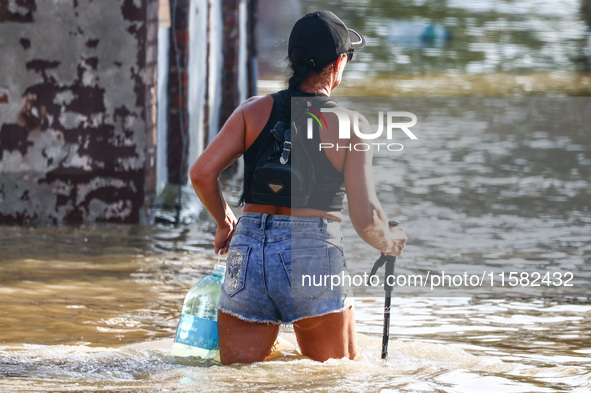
(278, 179)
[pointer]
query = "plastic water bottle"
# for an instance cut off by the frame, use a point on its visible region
(197, 332)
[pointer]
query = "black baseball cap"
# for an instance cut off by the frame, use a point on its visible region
(320, 37)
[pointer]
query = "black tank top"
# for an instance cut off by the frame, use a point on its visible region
(329, 191)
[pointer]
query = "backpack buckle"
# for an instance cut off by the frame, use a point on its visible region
(286, 152)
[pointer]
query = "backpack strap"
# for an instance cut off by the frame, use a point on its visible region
(286, 147)
(282, 135)
(282, 131)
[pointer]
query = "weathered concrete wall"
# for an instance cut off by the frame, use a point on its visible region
(77, 110)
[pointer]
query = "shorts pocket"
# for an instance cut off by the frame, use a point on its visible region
(236, 264)
(311, 270)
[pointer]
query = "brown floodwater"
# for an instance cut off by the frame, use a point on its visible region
(491, 187)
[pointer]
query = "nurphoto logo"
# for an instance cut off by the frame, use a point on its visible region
(392, 124)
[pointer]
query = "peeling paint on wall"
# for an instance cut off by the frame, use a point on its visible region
(77, 107)
(20, 11)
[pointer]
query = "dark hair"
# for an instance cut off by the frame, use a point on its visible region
(301, 69)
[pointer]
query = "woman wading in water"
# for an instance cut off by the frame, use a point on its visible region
(272, 244)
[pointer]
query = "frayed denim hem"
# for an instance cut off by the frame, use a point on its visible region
(245, 319)
(347, 306)
(344, 308)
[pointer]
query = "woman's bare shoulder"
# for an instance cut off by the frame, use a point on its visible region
(256, 103)
(256, 111)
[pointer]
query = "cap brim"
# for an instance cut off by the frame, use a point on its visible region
(357, 40)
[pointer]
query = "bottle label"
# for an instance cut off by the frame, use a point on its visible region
(197, 332)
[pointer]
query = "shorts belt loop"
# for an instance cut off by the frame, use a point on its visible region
(324, 224)
(264, 220)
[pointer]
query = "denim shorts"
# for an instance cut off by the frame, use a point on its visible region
(279, 269)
